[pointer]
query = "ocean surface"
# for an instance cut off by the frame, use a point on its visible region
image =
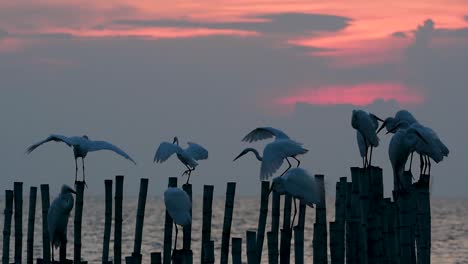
(449, 228)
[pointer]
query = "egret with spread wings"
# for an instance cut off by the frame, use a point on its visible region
(188, 156)
(81, 147)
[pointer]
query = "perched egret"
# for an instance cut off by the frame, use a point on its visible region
(261, 133)
(366, 124)
(178, 206)
(188, 156)
(390, 122)
(301, 185)
(57, 217)
(81, 147)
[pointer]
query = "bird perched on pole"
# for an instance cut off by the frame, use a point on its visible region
(300, 184)
(274, 152)
(366, 125)
(188, 156)
(57, 217)
(178, 205)
(81, 146)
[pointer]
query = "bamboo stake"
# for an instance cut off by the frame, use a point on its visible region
(298, 244)
(118, 219)
(45, 233)
(140, 219)
(168, 229)
(286, 234)
(273, 253)
(18, 201)
(320, 226)
(236, 250)
(7, 226)
(333, 242)
(155, 258)
(228, 211)
(340, 215)
(187, 228)
(424, 219)
(405, 219)
(251, 247)
(209, 252)
(262, 218)
(31, 219)
(107, 221)
(78, 220)
(207, 214)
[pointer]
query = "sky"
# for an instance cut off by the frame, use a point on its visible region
(137, 73)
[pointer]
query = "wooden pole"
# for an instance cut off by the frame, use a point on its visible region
(168, 229)
(236, 250)
(228, 211)
(78, 220)
(364, 179)
(45, 229)
(209, 252)
(188, 228)
(320, 226)
(31, 220)
(275, 212)
(251, 247)
(388, 231)
(286, 234)
(334, 234)
(404, 218)
(7, 226)
(118, 219)
(18, 201)
(352, 219)
(207, 214)
(340, 218)
(273, 253)
(262, 218)
(424, 219)
(155, 258)
(107, 221)
(140, 217)
(299, 234)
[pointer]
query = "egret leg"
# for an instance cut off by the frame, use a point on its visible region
(367, 152)
(289, 163)
(189, 173)
(411, 161)
(421, 164)
(363, 162)
(52, 253)
(84, 180)
(298, 161)
(175, 242)
(428, 165)
(295, 212)
(370, 156)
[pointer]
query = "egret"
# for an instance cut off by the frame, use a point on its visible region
(300, 184)
(57, 217)
(81, 147)
(403, 115)
(261, 133)
(366, 124)
(188, 156)
(178, 205)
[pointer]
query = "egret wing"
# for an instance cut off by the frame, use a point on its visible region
(104, 145)
(301, 184)
(261, 133)
(361, 144)
(165, 150)
(178, 205)
(196, 151)
(54, 137)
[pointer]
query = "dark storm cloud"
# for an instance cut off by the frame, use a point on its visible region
(288, 23)
(399, 34)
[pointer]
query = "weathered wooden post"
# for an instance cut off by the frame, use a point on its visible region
(207, 214)
(286, 233)
(262, 218)
(424, 219)
(340, 218)
(251, 244)
(168, 229)
(118, 219)
(389, 231)
(188, 228)
(228, 211)
(155, 258)
(209, 252)
(45, 233)
(299, 235)
(140, 217)
(352, 223)
(333, 242)
(236, 250)
(18, 201)
(273, 253)
(356, 228)
(404, 218)
(78, 220)
(107, 221)
(31, 220)
(364, 182)
(320, 226)
(7, 226)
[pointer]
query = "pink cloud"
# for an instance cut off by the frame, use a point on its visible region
(359, 95)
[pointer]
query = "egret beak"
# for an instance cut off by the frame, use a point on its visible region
(240, 155)
(382, 126)
(378, 118)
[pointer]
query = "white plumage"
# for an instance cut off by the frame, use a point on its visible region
(390, 122)
(57, 217)
(274, 152)
(81, 147)
(366, 125)
(178, 205)
(188, 156)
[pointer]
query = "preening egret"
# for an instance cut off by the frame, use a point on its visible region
(188, 156)
(178, 206)
(57, 217)
(300, 184)
(81, 147)
(366, 124)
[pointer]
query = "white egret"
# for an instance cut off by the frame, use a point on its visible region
(300, 184)
(402, 115)
(261, 133)
(178, 205)
(81, 147)
(366, 124)
(57, 217)
(188, 156)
